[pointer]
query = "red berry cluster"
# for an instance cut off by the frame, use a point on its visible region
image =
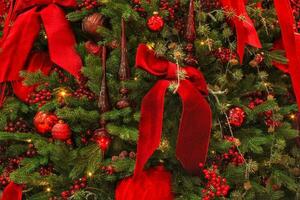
(225, 55)
(78, 184)
(165, 5)
(236, 116)
(20, 125)
(209, 4)
(85, 136)
(84, 91)
(11, 165)
(62, 77)
(46, 170)
(136, 5)
(123, 155)
(234, 157)
(31, 152)
(216, 185)
(88, 4)
(41, 97)
(267, 114)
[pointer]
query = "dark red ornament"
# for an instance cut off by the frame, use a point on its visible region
(44, 122)
(61, 131)
(155, 22)
(236, 116)
(92, 48)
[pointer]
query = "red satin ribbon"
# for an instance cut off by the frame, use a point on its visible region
(196, 119)
(291, 42)
(18, 39)
(12, 192)
(245, 30)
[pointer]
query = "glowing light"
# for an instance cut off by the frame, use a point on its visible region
(292, 116)
(90, 174)
(135, 78)
(29, 140)
(48, 189)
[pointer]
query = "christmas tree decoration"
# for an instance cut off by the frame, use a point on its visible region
(202, 78)
(61, 131)
(103, 101)
(16, 34)
(103, 139)
(191, 149)
(92, 23)
(124, 70)
(245, 30)
(157, 180)
(155, 22)
(190, 35)
(44, 122)
(236, 116)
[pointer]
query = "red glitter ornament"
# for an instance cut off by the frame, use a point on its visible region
(92, 48)
(44, 122)
(236, 116)
(155, 22)
(61, 131)
(103, 140)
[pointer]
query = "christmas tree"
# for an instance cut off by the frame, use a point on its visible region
(149, 99)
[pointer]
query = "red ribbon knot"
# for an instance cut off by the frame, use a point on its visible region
(195, 124)
(21, 29)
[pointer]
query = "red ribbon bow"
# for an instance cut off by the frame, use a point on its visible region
(291, 42)
(196, 122)
(246, 32)
(18, 39)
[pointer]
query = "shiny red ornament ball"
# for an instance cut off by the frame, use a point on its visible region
(236, 116)
(44, 122)
(103, 139)
(61, 131)
(155, 22)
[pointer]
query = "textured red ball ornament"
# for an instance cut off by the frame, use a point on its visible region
(236, 116)
(155, 22)
(44, 122)
(103, 140)
(61, 131)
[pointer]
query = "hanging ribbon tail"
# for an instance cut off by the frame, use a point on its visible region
(289, 39)
(12, 192)
(245, 29)
(151, 122)
(16, 47)
(61, 40)
(195, 125)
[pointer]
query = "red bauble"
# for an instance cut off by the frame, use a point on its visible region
(155, 22)
(236, 116)
(103, 139)
(61, 131)
(44, 122)
(153, 184)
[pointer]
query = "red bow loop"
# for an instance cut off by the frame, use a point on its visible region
(195, 124)
(25, 4)
(147, 60)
